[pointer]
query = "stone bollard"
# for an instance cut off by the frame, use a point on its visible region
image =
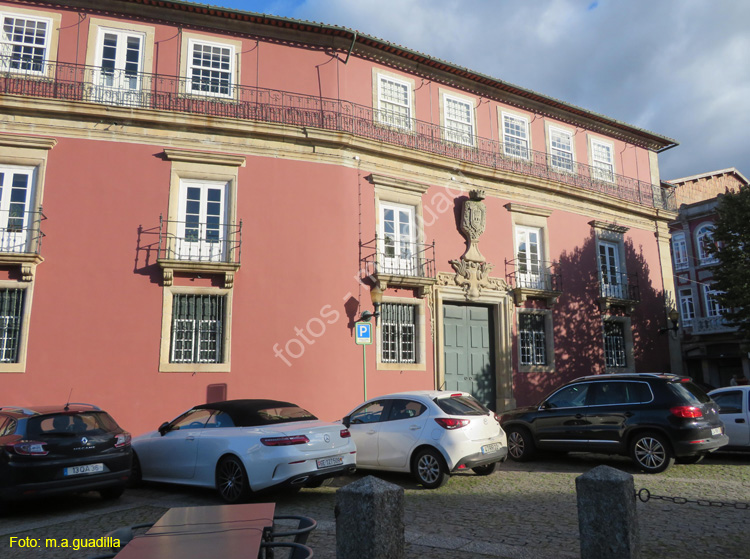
(607, 519)
(370, 520)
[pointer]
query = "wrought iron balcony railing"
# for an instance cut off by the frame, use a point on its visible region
(20, 231)
(199, 242)
(169, 93)
(710, 325)
(619, 286)
(540, 275)
(395, 258)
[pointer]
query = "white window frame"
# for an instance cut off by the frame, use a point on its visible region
(687, 307)
(713, 307)
(210, 243)
(706, 230)
(192, 43)
(15, 229)
(602, 169)
(118, 86)
(390, 118)
(405, 258)
(533, 277)
(611, 269)
(679, 251)
(559, 153)
(453, 127)
(7, 58)
(516, 144)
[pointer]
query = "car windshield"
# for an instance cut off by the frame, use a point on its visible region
(71, 423)
(689, 392)
(461, 405)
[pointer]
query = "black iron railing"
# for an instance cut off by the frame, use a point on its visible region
(385, 257)
(619, 286)
(20, 232)
(540, 274)
(155, 91)
(200, 242)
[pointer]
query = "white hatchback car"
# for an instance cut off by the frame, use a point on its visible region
(241, 446)
(431, 434)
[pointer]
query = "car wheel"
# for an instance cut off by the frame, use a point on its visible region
(651, 452)
(520, 444)
(112, 493)
(231, 480)
(690, 459)
(486, 470)
(429, 468)
(136, 477)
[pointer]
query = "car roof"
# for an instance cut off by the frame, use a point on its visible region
(431, 394)
(629, 376)
(27, 411)
(248, 412)
(745, 387)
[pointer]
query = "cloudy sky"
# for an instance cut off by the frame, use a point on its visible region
(680, 68)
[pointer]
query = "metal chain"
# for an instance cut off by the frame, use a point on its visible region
(644, 495)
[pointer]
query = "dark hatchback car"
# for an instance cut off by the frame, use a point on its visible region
(654, 418)
(61, 449)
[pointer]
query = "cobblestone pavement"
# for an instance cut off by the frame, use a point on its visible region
(523, 511)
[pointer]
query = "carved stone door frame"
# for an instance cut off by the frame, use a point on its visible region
(499, 299)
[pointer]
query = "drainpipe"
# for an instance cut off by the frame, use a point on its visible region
(351, 47)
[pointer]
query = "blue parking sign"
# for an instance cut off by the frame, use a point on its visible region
(363, 333)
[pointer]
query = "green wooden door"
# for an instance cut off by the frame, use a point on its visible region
(468, 344)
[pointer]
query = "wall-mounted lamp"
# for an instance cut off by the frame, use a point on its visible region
(673, 316)
(376, 295)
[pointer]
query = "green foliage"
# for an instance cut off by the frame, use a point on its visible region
(732, 247)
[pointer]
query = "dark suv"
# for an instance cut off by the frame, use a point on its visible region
(61, 449)
(655, 418)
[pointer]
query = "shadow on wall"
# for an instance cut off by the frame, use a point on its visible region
(578, 327)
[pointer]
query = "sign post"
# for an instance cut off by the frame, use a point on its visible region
(363, 337)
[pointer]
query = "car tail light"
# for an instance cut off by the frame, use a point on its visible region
(28, 448)
(285, 441)
(345, 434)
(688, 412)
(451, 423)
(121, 440)
(497, 417)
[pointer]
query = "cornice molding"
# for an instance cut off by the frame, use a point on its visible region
(530, 210)
(398, 184)
(186, 156)
(604, 226)
(33, 142)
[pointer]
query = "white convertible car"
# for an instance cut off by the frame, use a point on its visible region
(241, 446)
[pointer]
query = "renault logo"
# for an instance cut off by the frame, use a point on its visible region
(84, 440)
(327, 438)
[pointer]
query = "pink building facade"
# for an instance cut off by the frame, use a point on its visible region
(201, 203)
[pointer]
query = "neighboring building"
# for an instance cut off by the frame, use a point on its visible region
(219, 192)
(712, 349)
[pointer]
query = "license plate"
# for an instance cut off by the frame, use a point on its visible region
(488, 448)
(328, 462)
(716, 431)
(87, 469)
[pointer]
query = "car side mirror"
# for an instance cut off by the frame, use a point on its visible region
(164, 428)
(346, 421)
